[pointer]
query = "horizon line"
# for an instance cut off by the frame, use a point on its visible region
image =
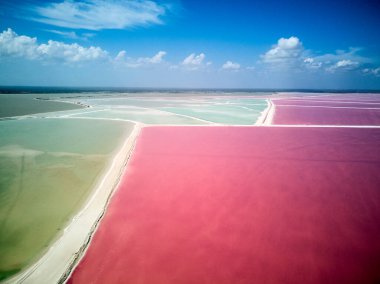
(26, 88)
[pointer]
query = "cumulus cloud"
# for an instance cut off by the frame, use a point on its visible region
(158, 58)
(19, 46)
(13, 45)
(122, 58)
(290, 54)
(345, 65)
(229, 65)
(287, 50)
(194, 62)
(193, 59)
(99, 14)
(351, 54)
(311, 63)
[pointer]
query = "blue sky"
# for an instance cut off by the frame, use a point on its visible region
(191, 44)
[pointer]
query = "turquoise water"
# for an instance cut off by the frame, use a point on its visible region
(216, 114)
(178, 108)
(186, 111)
(143, 116)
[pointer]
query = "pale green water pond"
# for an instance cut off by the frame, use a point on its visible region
(48, 167)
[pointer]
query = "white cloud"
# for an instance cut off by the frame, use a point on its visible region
(289, 54)
(121, 58)
(309, 60)
(194, 61)
(311, 63)
(287, 50)
(352, 54)
(70, 52)
(344, 64)
(372, 71)
(99, 14)
(72, 34)
(14, 45)
(158, 58)
(21, 46)
(229, 65)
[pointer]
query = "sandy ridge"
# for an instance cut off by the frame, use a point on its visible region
(264, 113)
(267, 115)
